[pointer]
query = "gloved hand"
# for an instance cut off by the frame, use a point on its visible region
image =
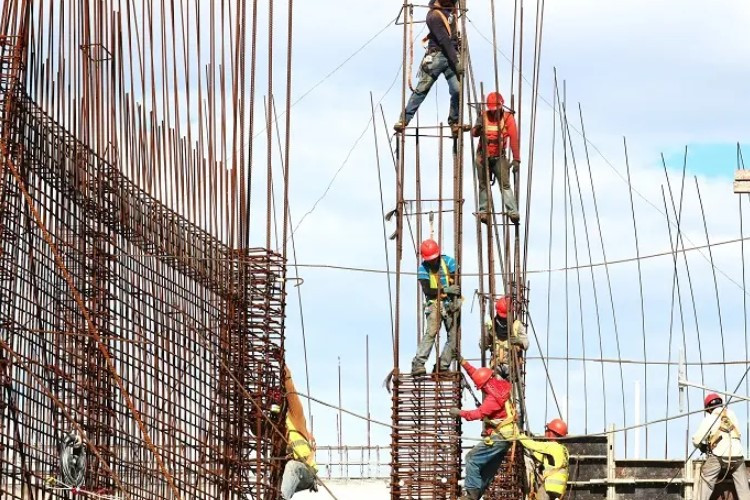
(452, 290)
(515, 164)
(459, 69)
(454, 412)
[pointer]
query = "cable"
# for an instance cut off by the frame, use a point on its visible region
(72, 460)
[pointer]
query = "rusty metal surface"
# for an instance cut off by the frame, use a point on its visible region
(426, 443)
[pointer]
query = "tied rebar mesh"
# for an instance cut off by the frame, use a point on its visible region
(189, 325)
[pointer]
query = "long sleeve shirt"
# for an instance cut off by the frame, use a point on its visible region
(554, 456)
(496, 392)
(729, 445)
(439, 36)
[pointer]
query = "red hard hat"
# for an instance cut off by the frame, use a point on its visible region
(481, 376)
(501, 306)
(711, 397)
(558, 427)
(430, 250)
(494, 101)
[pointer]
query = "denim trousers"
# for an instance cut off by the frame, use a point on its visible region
(297, 477)
(483, 461)
(433, 65)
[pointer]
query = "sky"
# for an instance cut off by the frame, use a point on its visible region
(664, 75)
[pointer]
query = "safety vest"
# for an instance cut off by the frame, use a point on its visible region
(726, 426)
(507, 427)
(298, 447)
(555, 459)
(435, 276)
(495, 133)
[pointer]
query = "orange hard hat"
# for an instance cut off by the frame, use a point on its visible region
(494, 101)
(711, 398)
(501, 306)
(481, 376)
(558, 426)
(430, 250)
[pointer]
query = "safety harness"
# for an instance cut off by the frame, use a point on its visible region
(494, 133)
(506, 427)
(726, 426)
(439, 9)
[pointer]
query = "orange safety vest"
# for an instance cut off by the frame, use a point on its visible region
(495, 134)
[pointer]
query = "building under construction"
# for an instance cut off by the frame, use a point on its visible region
(144, 253)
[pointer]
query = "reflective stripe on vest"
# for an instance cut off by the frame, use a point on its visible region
(556, 477)
(435, 276)
(494, 134)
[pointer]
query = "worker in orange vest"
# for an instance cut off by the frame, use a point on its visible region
(496, 128)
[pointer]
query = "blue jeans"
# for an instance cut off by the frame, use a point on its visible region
(430, 70)
(482, 463)
(297, 477)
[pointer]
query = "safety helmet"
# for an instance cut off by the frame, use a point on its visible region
(481, 376)
(501, 306)
(494, 101)
(558, 427)
(712, 399)
(430, 250)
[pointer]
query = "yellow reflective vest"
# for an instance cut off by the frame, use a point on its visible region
(299, 447)
(554, 456)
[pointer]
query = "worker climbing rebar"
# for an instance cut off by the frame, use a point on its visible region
(718, 436)
(497, 338)
(441, 58)
(551, 474)
(498, 415)
(442, 304)
(300, 472)
(496, 127)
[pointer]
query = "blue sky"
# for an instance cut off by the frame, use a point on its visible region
(661, 84)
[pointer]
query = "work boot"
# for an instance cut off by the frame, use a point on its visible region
(418, 370)
(470, 495)
(439, 373)
(514, 216)
(399, 126)
(484, 218)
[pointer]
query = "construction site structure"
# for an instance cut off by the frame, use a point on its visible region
(130, 317)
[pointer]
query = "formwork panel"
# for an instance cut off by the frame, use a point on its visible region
(426, 443)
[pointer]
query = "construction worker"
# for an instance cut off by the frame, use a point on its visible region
(300, 472)
(553, 457)
(498, 415)
(442, 304)
(441, 58)
(718, 436)
(496, 336)
(496, 128)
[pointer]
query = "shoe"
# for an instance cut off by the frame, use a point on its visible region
(455, 129)
(514, 216)
(484, 218)
(418, 370)
(470, 495)
(442, 371)
(399, 126)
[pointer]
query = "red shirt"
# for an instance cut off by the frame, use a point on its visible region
(496, 392)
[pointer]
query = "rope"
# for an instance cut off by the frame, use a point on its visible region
(72, 460)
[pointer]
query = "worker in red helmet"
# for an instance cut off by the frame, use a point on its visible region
(718, 436)
(496, 128)
(499, 417)
(551, 477)
(496, 337)
(441, 58)
(437, 276)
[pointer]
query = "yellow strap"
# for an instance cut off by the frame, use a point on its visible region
(434, 276)
(444, 18)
